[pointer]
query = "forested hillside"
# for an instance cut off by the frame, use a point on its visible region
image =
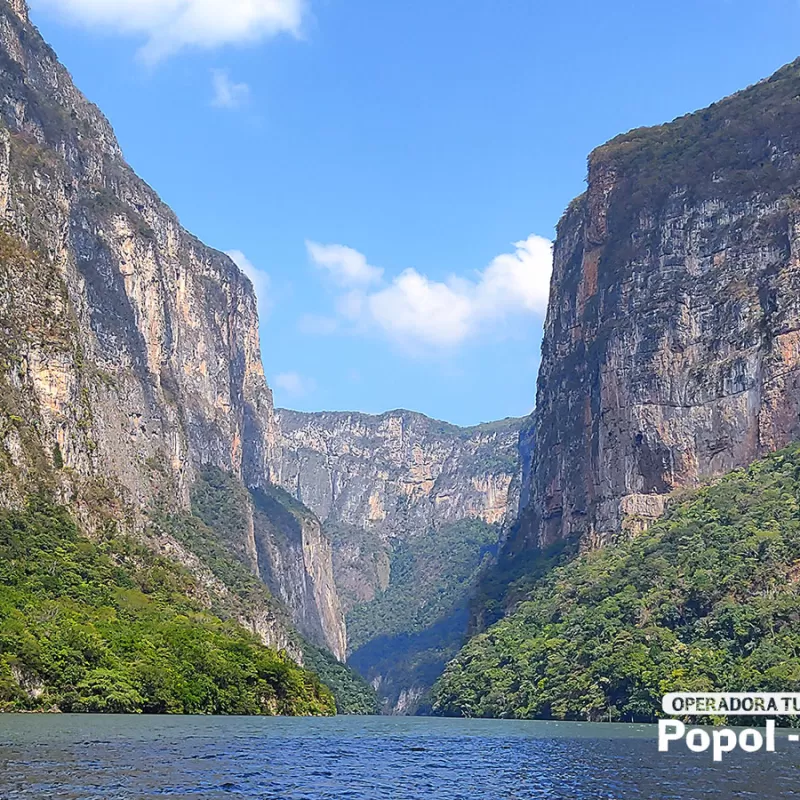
(107, 626)
(706, 599)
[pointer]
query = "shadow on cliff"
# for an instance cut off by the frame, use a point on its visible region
(405, 666)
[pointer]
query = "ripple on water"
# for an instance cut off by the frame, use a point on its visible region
(124, 758)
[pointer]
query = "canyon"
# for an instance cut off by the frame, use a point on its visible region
(414, 508)
(133, 392)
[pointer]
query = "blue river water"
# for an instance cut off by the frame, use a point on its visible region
(366, 758)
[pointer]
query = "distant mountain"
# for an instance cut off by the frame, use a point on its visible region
(414, 508)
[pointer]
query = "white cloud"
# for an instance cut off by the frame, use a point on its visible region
(294, 384)
(260, 280)
(414, 309)
(227, 93)
(348, 267)
(518, 280)
(171, 25)
(418, 312)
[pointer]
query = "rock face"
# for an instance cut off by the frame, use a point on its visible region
(672, 342)
(295, 560)
(130, 350)
(414, 507)
(393, 475)
(168, 354)
(397, 471)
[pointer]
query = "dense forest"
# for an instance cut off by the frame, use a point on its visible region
(706, 599)
(405, 636)
(104, 625)
(216, 530)
(429, 573)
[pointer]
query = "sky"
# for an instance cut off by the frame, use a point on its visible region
(390, 172)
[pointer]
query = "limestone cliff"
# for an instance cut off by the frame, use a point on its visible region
(393, 475)
(414, 508)
(130, 352)
(398, 470)
(672, 342)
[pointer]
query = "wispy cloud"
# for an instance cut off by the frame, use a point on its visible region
(348, 267)
(417, 312)
(294, 384)
(168, 26)
(227, 93)
(261, 281)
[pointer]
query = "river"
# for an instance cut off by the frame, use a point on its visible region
(365, 758)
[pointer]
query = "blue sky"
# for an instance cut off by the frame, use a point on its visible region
(385, 168)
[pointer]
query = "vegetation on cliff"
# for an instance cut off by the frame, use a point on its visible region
(406, 635)
(429, 573)
(217, 531)
(706, 599)
(104, 625)
(736, 148)
(352, 693)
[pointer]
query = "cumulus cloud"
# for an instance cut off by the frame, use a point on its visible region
(227, 93)
(294, 384)
(260, 280)
(172, 25)
(414, 308)
(416, 311)
(346, 266)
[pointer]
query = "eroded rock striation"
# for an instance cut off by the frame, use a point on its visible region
(672, 342)
(130, 352)
(414, 508)
(397, 470)
(394, 475)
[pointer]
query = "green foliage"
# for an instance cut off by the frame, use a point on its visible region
(217, 531)
(406, 635)
(411, 662)
(734, 149)
(107, 626)
(429, 574)
(219, 527)
(352, 693)
(510, 578)
(707, 599)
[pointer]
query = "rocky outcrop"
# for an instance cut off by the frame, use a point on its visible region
(130, 351)
(295, 561)
(397, 472)
(413, 507)
(672, 342)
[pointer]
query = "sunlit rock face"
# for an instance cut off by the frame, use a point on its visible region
(397, 471)
(390, 491)
(394, 476)
(163, 360)
(672, 344)
(130, 351)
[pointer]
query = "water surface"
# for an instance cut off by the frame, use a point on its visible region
(365, 758)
